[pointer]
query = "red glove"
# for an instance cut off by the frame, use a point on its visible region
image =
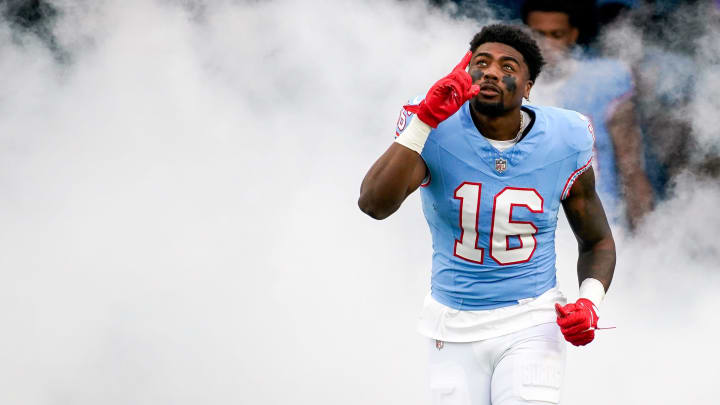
(577, 321)
(447, 95)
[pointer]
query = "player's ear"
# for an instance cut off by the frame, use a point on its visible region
(574, 34)
(528, 86)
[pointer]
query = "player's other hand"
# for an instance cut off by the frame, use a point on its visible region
(577, 321)
(447, 95)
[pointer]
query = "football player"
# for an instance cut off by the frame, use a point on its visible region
(494, 173)
(602, 89)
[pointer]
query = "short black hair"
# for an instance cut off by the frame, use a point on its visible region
(515, 37)
(569, 7)
(582, 14)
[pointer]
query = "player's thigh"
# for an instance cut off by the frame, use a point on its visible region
(457, 376)
(531, 369)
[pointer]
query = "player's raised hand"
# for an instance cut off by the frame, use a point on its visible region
(577, 321)
(447, 95)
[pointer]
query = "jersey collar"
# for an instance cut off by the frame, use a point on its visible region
(513, 156)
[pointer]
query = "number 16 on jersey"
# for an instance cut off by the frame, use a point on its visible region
(502, 227)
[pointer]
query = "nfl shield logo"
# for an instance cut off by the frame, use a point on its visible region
(500, 165)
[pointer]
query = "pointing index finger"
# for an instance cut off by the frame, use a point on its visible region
(464, 62)
(560, 311)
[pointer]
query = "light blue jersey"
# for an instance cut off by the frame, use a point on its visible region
(493, 214)
(594, 89)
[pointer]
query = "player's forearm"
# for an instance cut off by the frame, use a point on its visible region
(389, 181)
(629, 155)
(638, 197)
(596, 246)
(637, 191)
(597, 260)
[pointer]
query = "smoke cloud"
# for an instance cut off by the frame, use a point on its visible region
(179, 222)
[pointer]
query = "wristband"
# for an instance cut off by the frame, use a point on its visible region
(415, 135)
(592, 290)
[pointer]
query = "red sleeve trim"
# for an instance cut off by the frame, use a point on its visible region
(617, 101)
(571, 180)
(426, 181)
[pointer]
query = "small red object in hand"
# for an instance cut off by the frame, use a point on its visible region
(577, 321)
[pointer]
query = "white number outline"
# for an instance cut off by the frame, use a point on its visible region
(510, 221)
(474, 246)
(462, 229)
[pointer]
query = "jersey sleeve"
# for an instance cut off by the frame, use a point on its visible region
(403, 121)
(406, 116)
(619, 82)
(582, 140)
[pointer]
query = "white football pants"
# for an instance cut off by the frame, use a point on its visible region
(525, 367)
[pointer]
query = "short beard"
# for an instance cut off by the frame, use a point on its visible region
(489, 109)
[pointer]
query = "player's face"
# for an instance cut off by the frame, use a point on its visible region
(554, 32)
(503, 77)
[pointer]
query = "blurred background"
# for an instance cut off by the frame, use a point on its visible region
(178, 187)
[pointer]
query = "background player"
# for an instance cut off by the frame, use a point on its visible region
(601, 89)
(494, 174)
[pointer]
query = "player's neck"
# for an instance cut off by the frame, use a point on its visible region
(501, 128)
